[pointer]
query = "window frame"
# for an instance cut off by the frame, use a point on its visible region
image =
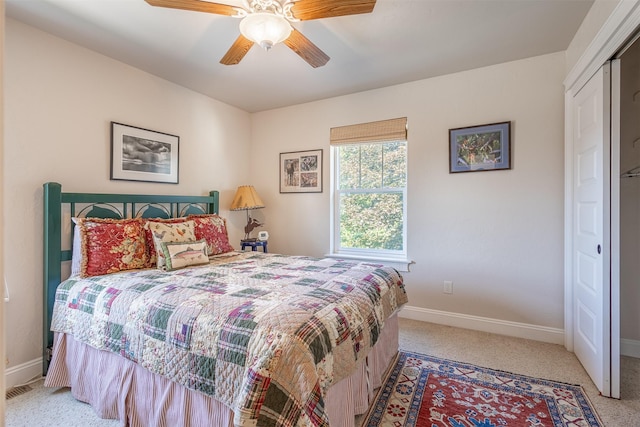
(396, 256)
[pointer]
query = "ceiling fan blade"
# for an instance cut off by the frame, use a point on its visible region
(196, 6)
(237, 51)
(307, 50)
(305, 10)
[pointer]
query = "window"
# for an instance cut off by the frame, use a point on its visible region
(369, 190)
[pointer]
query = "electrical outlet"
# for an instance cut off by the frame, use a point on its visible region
(448, 287)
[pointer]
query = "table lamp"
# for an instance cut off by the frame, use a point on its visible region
(247, 198)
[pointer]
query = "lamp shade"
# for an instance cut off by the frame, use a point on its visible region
(246, 198)
(266, 29)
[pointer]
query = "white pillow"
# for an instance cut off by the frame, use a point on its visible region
(76, 250)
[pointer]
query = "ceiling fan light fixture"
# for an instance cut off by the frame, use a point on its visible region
(265, 29)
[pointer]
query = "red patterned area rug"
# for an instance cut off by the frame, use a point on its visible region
(424, 391)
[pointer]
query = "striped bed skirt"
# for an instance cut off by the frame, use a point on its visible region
(119, 389)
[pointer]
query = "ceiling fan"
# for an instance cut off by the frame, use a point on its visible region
(268, 22)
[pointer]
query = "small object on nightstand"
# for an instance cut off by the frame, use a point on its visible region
(254, 244)
(263, 236)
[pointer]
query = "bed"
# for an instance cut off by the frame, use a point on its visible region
(240, 338)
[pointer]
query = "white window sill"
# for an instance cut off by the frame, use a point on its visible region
(398, 264)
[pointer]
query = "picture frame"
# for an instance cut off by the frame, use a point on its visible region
(139, 154)
(301, 172)
(480, 148)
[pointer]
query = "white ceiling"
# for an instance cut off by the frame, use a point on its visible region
(400, 41)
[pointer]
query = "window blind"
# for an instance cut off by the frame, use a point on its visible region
(380, 131)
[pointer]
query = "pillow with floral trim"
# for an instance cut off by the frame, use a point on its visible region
(111, 245)
(213, 229)
(169, 232)
(148, 235)
(183, 254)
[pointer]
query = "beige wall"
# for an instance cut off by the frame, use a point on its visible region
(60, 99)
(2, 322)
(595, 19)
(497, 235)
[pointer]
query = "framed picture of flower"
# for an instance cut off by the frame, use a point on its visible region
(480, 148)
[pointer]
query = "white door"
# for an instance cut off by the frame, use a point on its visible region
(591, 232)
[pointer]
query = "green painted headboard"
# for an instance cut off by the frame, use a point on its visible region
(59, 207)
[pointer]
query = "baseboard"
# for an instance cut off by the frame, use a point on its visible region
(22, 373)
(630, 348)
(485, 324)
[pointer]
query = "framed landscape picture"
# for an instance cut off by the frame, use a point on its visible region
(480, 148)
(143, 155)
(301, 172)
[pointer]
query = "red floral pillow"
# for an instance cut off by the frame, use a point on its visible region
(111, 245)
(213, 229)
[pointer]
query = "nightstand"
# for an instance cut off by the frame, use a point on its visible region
(255, 245)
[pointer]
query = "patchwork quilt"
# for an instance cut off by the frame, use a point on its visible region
(265, 334)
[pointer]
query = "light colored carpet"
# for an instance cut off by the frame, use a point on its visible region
(45, 407)
(526, 357)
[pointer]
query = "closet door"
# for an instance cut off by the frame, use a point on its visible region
(591, 239)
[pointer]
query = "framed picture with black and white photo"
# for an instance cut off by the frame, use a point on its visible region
(301, 172)
(139, 154)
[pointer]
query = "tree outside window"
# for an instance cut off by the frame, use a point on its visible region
(371, 197)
